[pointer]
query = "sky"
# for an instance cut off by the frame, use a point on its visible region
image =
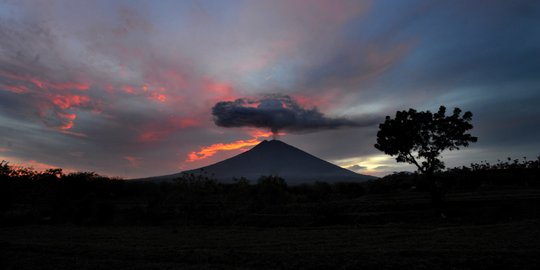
(144, 88)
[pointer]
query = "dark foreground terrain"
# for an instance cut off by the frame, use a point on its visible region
(483, 230)
(491, 220)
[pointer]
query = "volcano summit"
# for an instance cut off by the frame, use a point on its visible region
(274, 158)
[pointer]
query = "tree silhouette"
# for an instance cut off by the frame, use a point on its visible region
(419, 137)
(5, 169)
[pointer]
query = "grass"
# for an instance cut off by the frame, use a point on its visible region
(511, 242)
(512, 245)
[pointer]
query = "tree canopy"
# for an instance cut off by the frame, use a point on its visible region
(419, 137)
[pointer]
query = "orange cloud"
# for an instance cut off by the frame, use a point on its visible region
(68, 118)
(208, 151)
(257, 133)
(157, 97)
(68, 101)
(211, 150)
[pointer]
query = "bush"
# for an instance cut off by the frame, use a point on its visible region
(271, 193)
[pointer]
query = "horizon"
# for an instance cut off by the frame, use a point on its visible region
(194, 169)
(145, 89)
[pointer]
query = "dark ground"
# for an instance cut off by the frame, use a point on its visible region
(484, 230)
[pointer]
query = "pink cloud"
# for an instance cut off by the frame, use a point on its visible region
(68, 120)
(45, 84)
(184, 122)
(128, 89)
(159, 131)
(17, 89)
(218, 91)
(133, 161)
(69, 101)
(151, 136)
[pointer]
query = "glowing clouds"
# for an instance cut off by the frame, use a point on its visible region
(277, 112)
(60, 120)
(150, 92)
(378, 165)
(157, 97)
(68, 101)
(262, 134)
(68, 118)
(208, 151)
(58, 117)
(44, 84)
(211, 150)
(52, 98)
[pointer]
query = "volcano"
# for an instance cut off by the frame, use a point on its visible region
(274, 158)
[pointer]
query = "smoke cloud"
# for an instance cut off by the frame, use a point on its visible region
(278, 113)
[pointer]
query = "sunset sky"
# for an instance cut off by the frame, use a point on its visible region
(127, 88)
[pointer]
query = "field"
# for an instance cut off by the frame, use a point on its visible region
(483, 230)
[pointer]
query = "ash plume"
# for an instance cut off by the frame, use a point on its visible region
(278, 113)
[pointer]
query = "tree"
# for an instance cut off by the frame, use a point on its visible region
(271, 192)
(5, 169)
(418, 138)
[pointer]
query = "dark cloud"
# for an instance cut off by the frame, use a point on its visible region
(356, 168)
(278, 113)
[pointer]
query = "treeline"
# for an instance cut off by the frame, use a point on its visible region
(29, 197)
(51, 196)
(503, 174)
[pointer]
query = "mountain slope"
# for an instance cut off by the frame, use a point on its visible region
(275, 158)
